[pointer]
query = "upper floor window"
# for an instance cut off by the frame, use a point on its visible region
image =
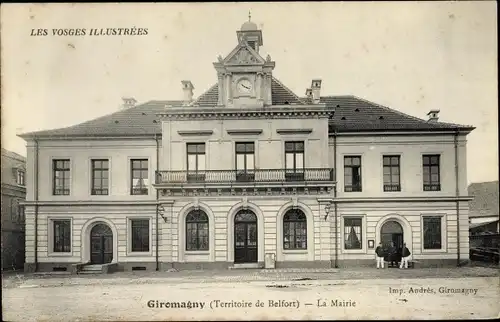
(196, 161)
(197, 230)
(140, 235)
(294, 230)
(139, 169)
(431, 165)
(62, 236)
(352, 233)
(61, 175)
(432, 232)
(352, 173)
(20, 214)
(391, 173)
(100, 177)
(14, 214)
(294, 161)
(20, 177)
(245, 156)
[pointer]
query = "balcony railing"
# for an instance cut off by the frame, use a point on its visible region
(432, 187)
(392, 187)
(249, 176)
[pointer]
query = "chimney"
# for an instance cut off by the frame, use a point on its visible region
(187, 88)
(433, 115)
(128, 102)
(316, 90)
(309, 93)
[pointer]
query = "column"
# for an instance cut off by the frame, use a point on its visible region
(220, 77)
(268, 97)
(259, 86)
(228, 87)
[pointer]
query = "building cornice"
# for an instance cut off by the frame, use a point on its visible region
(267, 112)
(91, 203)
(294, 131)
(244, 131)
(403, 199)
(195, 132)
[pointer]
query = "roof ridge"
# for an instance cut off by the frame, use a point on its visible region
(288, 90)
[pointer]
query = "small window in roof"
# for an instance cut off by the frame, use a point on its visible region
(343, 118)
(357, 110)
(381, 118)
(116, 121)
(338, 105)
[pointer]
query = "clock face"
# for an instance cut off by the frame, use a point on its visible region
(244, 86)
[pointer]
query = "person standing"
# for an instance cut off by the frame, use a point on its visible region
(379, 251)
(405, 255)
(392, 254)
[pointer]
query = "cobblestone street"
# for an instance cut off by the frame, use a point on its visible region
(236, 276)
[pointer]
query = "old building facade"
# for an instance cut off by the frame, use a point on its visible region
(246, 171)
(13, 195)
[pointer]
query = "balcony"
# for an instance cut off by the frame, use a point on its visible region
(249, 177)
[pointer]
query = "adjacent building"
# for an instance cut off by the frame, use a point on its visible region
(247, 172)
(483, 213)
(13, 195)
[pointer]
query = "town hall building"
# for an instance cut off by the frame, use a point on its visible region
(247, 174)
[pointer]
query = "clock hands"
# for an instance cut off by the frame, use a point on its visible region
(245, 86)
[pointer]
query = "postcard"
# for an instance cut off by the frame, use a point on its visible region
(249, 161)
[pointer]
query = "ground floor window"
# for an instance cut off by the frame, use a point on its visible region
(197, 231)
(62, 236)
(294, 230)
(352, 233)
(432, 232)
(140, 235)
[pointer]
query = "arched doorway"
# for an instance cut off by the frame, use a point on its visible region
(392, 232)
(101, 244)
(245, 237)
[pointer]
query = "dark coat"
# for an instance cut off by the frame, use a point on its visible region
(406, 252)
(379, 251)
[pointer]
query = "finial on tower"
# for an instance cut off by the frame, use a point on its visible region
(249, 15)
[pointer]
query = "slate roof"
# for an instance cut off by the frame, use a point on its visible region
(485, 202)
(352, 114)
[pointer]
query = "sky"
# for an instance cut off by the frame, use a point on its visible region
(410, 56)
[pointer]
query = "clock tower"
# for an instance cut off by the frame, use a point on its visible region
(244, 77)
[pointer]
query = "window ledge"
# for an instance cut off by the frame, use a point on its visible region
(139, 254)
(295, 251)
(60, 254)
(197, 252)
(354, 251)
(434, 251)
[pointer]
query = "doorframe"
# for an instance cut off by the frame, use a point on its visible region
(85, 238)
(102, 242)
(245, 205)
(245, 223)
(407, 229)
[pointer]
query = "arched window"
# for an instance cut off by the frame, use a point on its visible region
(294, 230)
(197, 230)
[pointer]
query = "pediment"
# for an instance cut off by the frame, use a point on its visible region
(244, 55)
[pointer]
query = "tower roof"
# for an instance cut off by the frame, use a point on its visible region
(249, 26)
